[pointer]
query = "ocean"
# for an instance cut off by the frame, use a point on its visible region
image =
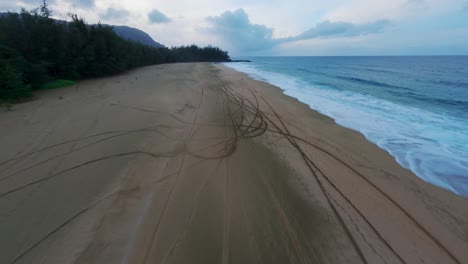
(414, 107)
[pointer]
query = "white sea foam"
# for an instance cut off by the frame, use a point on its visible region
(429, 144)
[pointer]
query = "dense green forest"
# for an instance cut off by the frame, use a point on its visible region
(36, 49)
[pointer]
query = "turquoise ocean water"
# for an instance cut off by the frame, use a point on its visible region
(415, 108)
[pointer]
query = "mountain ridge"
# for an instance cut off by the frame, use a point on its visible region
(136, 35)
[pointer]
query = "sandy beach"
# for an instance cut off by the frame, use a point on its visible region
(197, 163)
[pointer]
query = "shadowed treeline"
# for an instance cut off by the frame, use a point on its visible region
(36, 49)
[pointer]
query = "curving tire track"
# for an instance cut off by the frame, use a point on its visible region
(245, 119)
(254, 110)
(283, 130)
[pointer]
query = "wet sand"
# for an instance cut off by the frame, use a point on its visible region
(197, 163)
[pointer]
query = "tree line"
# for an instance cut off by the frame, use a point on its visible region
(36, 49)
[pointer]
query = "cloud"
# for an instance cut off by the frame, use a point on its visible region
(239, 33)
(417, 5)
(36, 2)
(416, 2)
(12, 5)
(115, 14)
(83, 3)
(156, 17)
(80, 3)
(329, 29)
(7, 7)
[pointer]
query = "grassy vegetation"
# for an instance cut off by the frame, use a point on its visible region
(57, 84)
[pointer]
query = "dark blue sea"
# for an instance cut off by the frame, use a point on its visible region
(415, 108)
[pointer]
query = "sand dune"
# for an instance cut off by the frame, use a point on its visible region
(196, 163)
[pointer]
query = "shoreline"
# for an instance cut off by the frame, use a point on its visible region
(198, 163)
(402, 155)
(385, 161)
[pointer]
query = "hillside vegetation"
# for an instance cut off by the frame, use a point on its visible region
(136, 35)
(36, 49)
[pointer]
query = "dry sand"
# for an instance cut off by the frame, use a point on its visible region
(196, 163)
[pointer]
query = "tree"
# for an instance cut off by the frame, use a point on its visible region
(45, 11)
(12, 85)
(46, 49)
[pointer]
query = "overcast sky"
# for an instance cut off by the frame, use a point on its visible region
(285, 27)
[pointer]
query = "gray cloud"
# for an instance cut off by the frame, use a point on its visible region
(417, 5)
(7, 7)
(115, 14)
(240, 35)
(36, 2)
(329, 29)
(235, 27)
(82, 3)
(156, 17)
(14, 6)
(28, 4)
